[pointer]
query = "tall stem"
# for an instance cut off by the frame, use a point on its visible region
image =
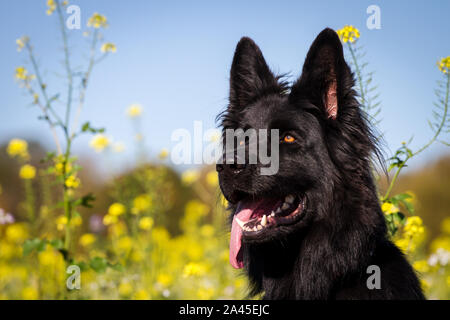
(358, 74)
(433, 139)
(85, 81)
(66, 63)
(67, 200)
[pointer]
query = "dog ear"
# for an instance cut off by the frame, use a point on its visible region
(325, 75)
(250, 77)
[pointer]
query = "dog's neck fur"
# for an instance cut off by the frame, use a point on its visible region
(310, 265)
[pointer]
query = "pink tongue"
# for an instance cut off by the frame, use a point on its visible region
(244, 213)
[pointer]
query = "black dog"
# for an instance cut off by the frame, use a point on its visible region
(311, 230)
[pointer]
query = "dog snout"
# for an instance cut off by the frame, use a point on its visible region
(232, 164)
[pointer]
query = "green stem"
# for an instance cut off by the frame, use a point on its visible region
(358, 73)
(432, 140)
(66, 63)
(444, 118)
(85, 80)
(67, 200)
(42, 85)
(29, 195)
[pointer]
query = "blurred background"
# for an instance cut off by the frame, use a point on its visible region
(165, 233)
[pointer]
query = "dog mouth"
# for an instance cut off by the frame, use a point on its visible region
(254, 218)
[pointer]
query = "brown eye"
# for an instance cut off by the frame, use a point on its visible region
(288, 139)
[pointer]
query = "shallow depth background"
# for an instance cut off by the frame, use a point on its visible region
(173, 59)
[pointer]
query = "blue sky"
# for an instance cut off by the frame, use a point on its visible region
(173, 57)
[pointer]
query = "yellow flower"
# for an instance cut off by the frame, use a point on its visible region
(190, 176)
(424, 284)
(117, 229)
(413, 226)
(146, 223)
(441, 242)
(195, 209)
(97, 21)
(160, 235)
(49, 257)
(205, 293)
(109, 219)
(87, 239)
(27, 172)
(22, 74)
(22, 42)
(164, 279)
(30, 293)
(223, 201)
(141, 203)
(51, 6)
(212, 179)
(72, 182)
(76, 221)
(402, 244)
(163, 154)
(125, 289)
(444, 64)
(18, 148)
(348, 33)
(389, 208)
(445, 225)
(207, 230)
(125, 243)
(61, 222)
(142, 295)
(421, 266)
(194, 269)
(16, 233)
(116, 209)
(99, 142)
(59, 166)
(108, 47)
(135, 110)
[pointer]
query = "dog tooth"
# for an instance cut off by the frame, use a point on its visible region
(284, 206)
(240, 223)
(255, 229)
(272, 214)
(259, 227)
(278, 210)
(289, 199)
(264, 220)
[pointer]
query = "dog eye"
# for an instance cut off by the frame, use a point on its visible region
(288, 139)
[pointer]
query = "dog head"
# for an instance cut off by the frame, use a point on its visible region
(317, 120)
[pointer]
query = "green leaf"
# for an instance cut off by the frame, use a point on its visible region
(48, 157)
(86, 200)
(55, 97)
(56, 243)
(32, 245)
(86, 127)
(98, 264)
(82, 264)
(116, 266)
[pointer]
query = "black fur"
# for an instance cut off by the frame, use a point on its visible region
(324, 255)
